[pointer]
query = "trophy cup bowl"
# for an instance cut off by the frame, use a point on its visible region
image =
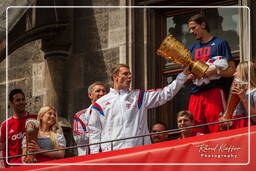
(32, 128)
(172, 49)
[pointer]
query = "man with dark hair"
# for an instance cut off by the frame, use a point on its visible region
(186, 119)
(122, 112)
(81, 118)
(207, 99)
(15, 127)
(159, 127)
(13, 92)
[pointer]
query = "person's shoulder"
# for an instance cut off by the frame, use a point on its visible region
(194, 45)
(103, 102)
(105, 98)
(9, 121)
(137, 93)
(3, 124)
(59, 134)
(220, 40)
(82, 113)
(253, 91)
(136, 90)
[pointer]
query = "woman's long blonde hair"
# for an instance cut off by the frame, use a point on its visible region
(54, 129)
(243, 69)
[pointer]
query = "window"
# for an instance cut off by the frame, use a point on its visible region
(223, 22)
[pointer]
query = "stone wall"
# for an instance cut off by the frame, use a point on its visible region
(99, 42)
(26, 68)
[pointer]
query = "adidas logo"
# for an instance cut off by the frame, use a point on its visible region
(213, 44)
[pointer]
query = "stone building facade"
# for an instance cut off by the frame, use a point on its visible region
(57, 70)
(55, 53)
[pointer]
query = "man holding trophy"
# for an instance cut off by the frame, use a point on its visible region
(122, 113)
(208, 101)
(209, 59)
(15, 127)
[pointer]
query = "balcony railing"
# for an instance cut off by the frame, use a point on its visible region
(170, 132)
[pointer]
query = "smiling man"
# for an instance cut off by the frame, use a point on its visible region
(81, 118)
(186, 119)
(122, 113)
(15, 126)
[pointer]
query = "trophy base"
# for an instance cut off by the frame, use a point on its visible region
(198, 68)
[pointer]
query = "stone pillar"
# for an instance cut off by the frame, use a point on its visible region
(56, 53)
(56, 50)
(55, 92)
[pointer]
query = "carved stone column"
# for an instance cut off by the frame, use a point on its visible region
(56, 54)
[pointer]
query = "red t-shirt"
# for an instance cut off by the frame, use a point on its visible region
(194, 133)
(16, 132)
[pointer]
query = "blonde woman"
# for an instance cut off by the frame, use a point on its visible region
(244, 93)
(50, 136)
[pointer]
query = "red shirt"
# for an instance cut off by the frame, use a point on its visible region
(15, 133)
(193, 134)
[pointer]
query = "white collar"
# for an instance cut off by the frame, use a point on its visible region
(114, 91)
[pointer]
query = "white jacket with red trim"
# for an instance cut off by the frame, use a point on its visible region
(80, 129)
(123, 113)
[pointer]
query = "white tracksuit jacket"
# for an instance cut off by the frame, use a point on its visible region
(80, 129)
(123, 113)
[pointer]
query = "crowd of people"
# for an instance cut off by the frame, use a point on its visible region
(122, 112)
